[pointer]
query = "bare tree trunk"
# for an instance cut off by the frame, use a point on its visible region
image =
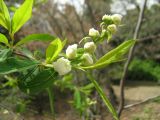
(93, 21)
(60, 31)
(80, 21)
(69, 25)
(130, 56)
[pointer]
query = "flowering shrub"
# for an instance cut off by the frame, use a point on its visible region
(36, 75)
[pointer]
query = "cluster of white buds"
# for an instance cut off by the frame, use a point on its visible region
(112, 21)
(115, 19)
(89, 48)
(63, 65)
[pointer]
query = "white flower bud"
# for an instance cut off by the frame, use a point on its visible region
(93, 32)
(90, 47)
(87, 59)
(62, 66)
(106, 18)
(112, 28)
(117, 19)
(71, 51)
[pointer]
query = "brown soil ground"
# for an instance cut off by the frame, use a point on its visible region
(133, 93)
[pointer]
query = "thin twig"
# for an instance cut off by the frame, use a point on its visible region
(151, 37)
(130, 56)
(24, 56)
(143, 101)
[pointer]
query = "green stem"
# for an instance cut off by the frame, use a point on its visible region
(103, 96)
(51, 100)
(12, 38)
(87, 115)
(94, 57)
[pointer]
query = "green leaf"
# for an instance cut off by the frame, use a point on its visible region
(87, 89)
(36, 37)
(5, 19)
(3, 39)
(103, 64)
(2, 21)
(118, 51)
(20, 107)
(53, 50)
(11, 65)
(22, 15)
(103, 96)
(4, 54)
(114, 55)
(77, 99)
(39, 82)
(64, 42)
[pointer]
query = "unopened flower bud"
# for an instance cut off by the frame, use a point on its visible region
(117, 19)
(71, 51)
(62, 66)
(112, 28)
(90, 47)
(93, 32)
(106, 18)
(87, 59)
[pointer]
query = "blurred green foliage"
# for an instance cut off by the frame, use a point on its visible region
(144, 70)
